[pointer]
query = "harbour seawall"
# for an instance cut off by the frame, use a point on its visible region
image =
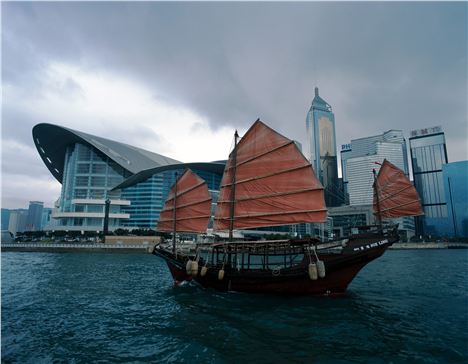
(68, 247)
(145, 247)
(430, 245)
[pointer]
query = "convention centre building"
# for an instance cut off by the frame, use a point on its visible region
(92, 169)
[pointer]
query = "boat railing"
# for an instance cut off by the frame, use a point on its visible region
(269, 247)
(279, 244)
(251, 259)
(263, 255)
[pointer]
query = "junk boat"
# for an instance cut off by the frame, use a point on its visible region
(268, 182)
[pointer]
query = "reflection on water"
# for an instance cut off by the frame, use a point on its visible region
(406, 306)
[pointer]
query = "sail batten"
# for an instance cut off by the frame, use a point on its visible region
(180, 193)
(185, 218)
(398, 206)
(395, 193)
(186, 205)
(192, 208)
(274, 184)
(277, 213)
(276, 194)
(264, 153)
(397, 196)
(268, 175)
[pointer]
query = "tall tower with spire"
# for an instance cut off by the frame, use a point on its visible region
(321, 140)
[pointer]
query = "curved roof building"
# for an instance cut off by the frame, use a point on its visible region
(216, 168)
(91, 169)
(52, 141)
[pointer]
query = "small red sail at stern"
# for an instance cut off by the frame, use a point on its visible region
(193, 206)
(397, 195)
(274, 184)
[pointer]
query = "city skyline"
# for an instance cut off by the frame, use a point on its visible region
(172, 85)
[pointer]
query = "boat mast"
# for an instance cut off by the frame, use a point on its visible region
(233, 186)
(379, 215)
(174, 217)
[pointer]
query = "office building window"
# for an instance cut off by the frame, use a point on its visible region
(81, 181)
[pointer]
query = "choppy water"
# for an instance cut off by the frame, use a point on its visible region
(408, 306)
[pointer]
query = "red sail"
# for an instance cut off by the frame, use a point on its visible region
(193, 206)
(275, 184)
(397, 195)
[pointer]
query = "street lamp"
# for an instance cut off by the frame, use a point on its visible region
(106, 219)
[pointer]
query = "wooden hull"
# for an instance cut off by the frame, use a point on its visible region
(341, 268)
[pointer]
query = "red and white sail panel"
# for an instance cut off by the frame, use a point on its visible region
(397, 195)
(274, 184)
(193, 206)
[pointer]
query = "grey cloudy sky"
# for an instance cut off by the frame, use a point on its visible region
(176, 78)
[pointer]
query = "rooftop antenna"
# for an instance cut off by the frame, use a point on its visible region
(314, 68)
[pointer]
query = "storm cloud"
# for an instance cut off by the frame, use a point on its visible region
(380, 65)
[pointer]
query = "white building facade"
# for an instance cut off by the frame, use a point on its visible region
(362, 156)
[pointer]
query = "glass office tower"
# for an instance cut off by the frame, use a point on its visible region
(33, 221)
(46, 216)
(320, 124)
(17, 221)
(428, 155)
(5, 218)
(456, 194)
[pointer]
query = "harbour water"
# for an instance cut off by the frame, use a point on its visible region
(408, 306)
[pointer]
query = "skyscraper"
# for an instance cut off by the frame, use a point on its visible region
(358, 161)
(45, 218)
(456, 194)
(428, 155)
(320, 124)
(360, 157)
(17, 221)
(34, 219)
(5, 218)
